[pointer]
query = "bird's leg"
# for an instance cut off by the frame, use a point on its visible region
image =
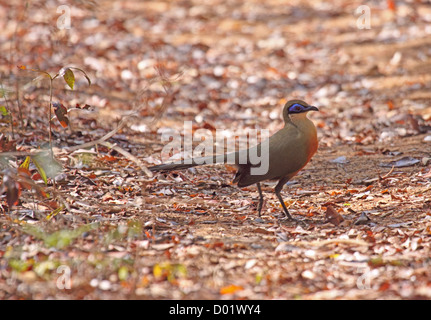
(259, 207)
(277, 190)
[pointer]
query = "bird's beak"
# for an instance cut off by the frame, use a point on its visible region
(312, 108)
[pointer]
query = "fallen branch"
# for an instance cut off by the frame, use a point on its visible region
(129, 156)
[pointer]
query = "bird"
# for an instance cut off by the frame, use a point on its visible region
(289, 150)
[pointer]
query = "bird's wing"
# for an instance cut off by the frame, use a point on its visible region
(285, 154)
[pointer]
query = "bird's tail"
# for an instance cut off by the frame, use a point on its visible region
(200, 161)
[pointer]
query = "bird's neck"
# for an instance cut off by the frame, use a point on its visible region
(296, 119)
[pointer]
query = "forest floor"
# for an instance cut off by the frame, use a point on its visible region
(107, 230)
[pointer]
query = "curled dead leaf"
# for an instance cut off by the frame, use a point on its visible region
(333, 216)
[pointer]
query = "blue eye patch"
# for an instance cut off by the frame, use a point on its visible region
(296, 108)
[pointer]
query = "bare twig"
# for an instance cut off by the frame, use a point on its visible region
(121, 124)
(129, 156)
(105, 143)
(388, 174)
(167, 84)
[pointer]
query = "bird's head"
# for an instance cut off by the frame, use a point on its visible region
(296, 107)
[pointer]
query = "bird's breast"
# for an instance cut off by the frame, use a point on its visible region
(306, 141)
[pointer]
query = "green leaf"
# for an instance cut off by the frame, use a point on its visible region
(62, 238)
(123, 273)
(54, 213)
(58, 239)
(68, 76)
(26, 163)
(20, 265)
(41, 171)
(4, 111)
(45, 267)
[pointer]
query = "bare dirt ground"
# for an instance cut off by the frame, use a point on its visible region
(192, 234)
